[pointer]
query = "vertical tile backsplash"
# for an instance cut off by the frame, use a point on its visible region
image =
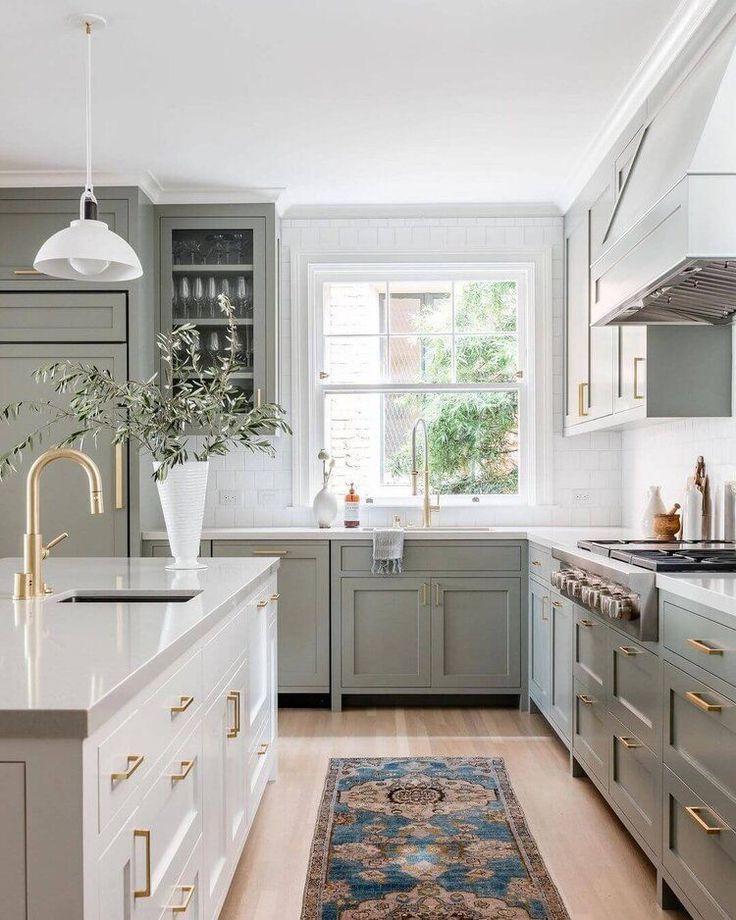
(590, 462)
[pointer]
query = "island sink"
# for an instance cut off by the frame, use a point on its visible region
(129, 596)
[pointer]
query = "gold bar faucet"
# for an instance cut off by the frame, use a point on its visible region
(30, 583)
(427, 506)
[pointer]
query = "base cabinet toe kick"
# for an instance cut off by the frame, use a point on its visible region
(147, 816)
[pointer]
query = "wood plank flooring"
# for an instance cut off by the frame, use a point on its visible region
(601, 873)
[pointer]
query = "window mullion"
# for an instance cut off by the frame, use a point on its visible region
(453, 360)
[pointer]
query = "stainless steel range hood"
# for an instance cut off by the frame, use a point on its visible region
(669, 250)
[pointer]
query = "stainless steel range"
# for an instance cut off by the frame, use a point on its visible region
(616, 578)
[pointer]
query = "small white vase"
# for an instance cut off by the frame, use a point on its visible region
(325, 507)
(182, 496)
(654, 505)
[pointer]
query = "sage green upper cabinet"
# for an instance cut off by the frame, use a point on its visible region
(630, 366)
(64, 504)
(27, 222)
(208, 250)
(588, 350)
(385, 632)
(60, 316)
(476, 632)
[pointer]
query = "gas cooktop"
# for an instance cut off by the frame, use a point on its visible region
(674, 556)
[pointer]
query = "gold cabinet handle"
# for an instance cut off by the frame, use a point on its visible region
(581, 400)
(637, 394)
(437, 594)
(697, 700)
(423, 592)
(586, 623)
(234, 730)
(184, 703)
(181, 908)
(186, 769)
(27, 271)
(134, 761)
(557, 604)
(258, 398)
(145, 892)
(704, 647)
(629, 650)
(119, 501)
(262, 604)
(545, 616)
(270, 552)
(694, 812)
(584, 698)
(276, 596)
(264, 748)
(629, 742)
(536, 562)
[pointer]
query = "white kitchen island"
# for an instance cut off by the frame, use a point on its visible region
(136, 736)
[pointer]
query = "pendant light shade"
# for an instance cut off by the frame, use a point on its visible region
(87, 250)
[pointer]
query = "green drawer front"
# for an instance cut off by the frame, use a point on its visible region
(700, 640)
(540, 562)
(634, 693)
(700, 745)
(95, 316)
(702, 863)
(435, 556)
(591, 735)
(590, 644)
(634, 783)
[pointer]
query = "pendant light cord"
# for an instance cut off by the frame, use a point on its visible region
(88, 116)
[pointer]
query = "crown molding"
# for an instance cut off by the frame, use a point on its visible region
(680, 30)
(463, 209)
(146, 181)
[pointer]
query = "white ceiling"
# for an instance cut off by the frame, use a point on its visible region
(336, 101)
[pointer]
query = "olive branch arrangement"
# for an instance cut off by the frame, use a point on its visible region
(161, 416)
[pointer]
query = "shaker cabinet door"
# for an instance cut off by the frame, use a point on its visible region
(64, 504)
(476, 632)
(539, 645)
(560, 686)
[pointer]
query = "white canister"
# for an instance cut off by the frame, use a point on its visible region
(692, 512)
(654, 505)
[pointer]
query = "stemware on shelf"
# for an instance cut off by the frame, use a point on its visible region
(241, 296)
(185, 294)
(212, 296)
(198, 296)
(237, 248)
(192, 251)
(178, 251)
(213, 346)
(217, 252)
(225, 286)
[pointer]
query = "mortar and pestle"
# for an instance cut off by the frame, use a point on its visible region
(667, 526)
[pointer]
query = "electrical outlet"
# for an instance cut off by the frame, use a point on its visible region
(230, 498)
(581, 497)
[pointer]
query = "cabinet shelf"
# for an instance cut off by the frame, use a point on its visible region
(236, 267)
(209, 321)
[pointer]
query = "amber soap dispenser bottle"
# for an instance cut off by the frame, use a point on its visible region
(352, 507)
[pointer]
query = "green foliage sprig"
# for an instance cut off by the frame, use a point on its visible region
(161, 415)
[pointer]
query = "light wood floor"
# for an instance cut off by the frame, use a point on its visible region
(600, 872)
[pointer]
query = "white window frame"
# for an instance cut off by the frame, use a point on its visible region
(533, 275)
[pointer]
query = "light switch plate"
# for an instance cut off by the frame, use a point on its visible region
(582, 497)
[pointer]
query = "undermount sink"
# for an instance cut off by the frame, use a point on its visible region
(129, 596)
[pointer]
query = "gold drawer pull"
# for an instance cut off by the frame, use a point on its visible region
(27, 271)
(186, 769)
(146, 891)
(184, 703)
(637, 362)
(584, 698)
(629, 742)
(134, 761)
(276, 596)
(119, 499)
(536, 562)
(264, 748)
(545, 616)
(629, 650)
(261, 604)
(437, 594)
(188, 892)
(234, 730)
(270, 552)
(423, 594)
(581, 400)
(704, 647)
(694, 812)
(557, 604)
(586, 623)
(697, 700)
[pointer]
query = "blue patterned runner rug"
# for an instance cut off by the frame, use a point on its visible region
(425, 838)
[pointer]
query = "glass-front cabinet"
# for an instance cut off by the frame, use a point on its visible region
(204, 256)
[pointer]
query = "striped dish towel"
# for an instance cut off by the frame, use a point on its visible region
(388, 551)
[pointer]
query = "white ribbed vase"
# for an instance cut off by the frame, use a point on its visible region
(182, 496)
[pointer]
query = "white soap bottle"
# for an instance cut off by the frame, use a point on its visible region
(654, 505)
(692, 526)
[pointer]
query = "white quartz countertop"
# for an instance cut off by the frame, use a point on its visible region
(715, 591)
(66, 668)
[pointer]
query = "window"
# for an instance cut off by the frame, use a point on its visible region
(449, 346)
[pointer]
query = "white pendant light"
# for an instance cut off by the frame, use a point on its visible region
(87, 250)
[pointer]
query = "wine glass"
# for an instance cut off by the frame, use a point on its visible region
(218, 249)
(213, 346)
(177, 310)
(236, 247)
(212, 295)
(241, 296)
(185, 294)
(178, 248)
(198, 296)
(225, 287)
(193, 248)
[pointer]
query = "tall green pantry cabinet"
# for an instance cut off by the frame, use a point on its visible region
(43, 320)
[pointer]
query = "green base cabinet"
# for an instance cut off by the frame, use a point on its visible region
(539, 645)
